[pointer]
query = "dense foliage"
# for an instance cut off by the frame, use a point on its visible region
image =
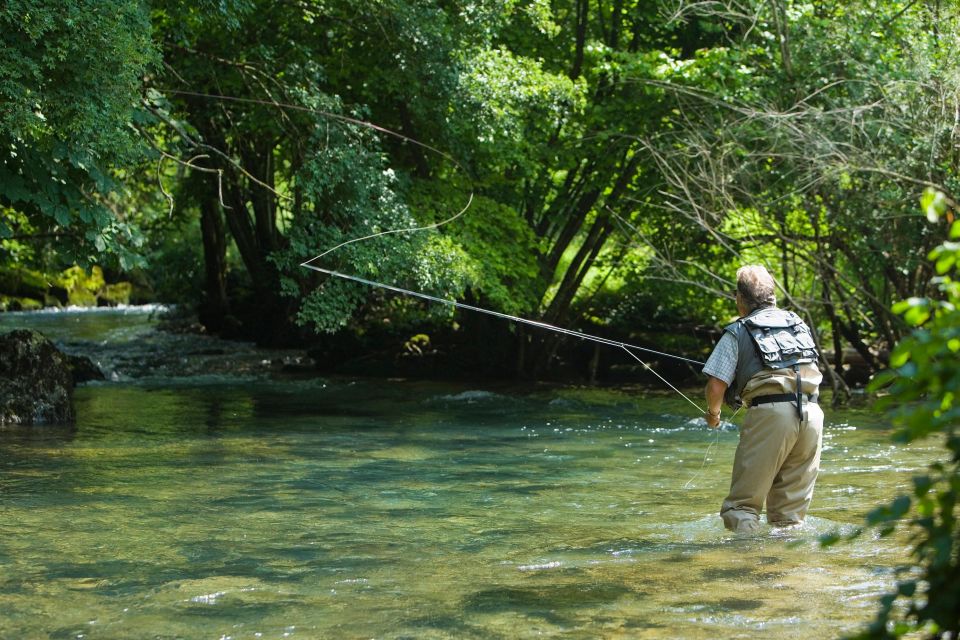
(921, 396)
(70, 75)
(621, 159)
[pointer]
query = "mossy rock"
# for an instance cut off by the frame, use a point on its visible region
(23, 284)
(81, 298)
(77, 278)
(29, 304)
(84, 369)
(52, 301)
(13, 278)
(116, 294)
(36, 383)
(17, 303)
(83, 288)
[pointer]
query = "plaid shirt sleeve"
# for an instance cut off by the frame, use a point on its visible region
(722, 363)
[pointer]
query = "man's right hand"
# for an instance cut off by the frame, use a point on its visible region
(713, 419)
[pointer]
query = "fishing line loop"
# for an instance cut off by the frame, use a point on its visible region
(357, 122)
(308, 263)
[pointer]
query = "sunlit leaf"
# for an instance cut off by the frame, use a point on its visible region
(934, 203)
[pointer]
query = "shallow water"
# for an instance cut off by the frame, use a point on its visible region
(260, 506)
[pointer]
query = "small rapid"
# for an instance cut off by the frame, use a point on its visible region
(129, 343)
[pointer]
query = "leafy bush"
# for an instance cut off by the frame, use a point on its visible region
(922, 383)
(70, 77)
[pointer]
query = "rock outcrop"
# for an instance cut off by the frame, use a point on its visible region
(36, 382)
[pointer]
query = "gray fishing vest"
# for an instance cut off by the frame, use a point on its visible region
(769, 338)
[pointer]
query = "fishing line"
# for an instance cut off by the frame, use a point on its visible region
(307, 264)
(707, 454)
(704, 463)
(507, 316)
(542, 325)
(360, 123)
(665, 381)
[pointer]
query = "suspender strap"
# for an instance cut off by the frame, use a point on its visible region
(796, 370)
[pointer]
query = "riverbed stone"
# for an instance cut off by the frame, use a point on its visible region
(84, 369)
(36, 383)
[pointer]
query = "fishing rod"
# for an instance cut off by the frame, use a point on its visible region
(506, 316)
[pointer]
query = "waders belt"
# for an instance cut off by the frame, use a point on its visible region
(782, 397)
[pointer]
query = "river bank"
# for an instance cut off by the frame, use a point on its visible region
(145, 342)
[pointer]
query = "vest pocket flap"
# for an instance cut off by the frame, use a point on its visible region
(805, 340)
(776, 346)
(768, 343)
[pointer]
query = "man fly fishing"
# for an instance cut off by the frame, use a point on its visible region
(767, 361)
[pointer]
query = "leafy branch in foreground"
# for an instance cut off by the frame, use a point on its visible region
(922, 384)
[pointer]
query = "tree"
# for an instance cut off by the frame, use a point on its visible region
(797, 141)
(70, 77)
(280, 167)
(581, 170)
(267, 107)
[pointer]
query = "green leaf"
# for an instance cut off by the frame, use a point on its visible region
(899, 358)
(918, 314)
(946, 262)
(900, 506)
(934, 203)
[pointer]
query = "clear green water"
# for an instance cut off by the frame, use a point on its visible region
(218, 507)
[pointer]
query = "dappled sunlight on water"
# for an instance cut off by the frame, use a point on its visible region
(371, 509)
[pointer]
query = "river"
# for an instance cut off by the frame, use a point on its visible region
(203, 493)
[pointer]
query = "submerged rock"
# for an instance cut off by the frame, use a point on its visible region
(36, 382)
(84, 369)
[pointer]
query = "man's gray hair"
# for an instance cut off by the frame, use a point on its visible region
(756, 286)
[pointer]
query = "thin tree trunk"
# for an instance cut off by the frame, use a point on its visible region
(415, 150)
(783, 36)
(259, 163)
(571, 228)
(583, 8)
(241, 228)
(616, 25)
(577, 271)
(215, 307)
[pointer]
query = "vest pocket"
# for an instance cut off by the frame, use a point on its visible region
(783, 345)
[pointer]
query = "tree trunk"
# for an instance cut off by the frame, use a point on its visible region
(568, 233)
(783, 37)
(214, 308)
(583, 7)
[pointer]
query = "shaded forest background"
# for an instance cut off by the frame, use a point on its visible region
(620, 160)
